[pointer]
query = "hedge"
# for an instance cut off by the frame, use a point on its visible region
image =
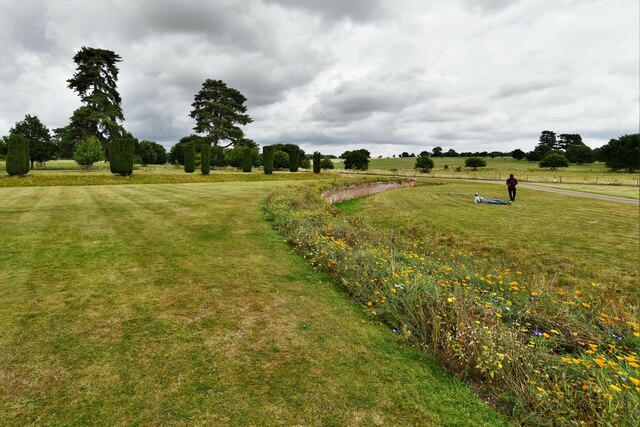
(316, 162)
(267, 159)
(17, 155)
(189, 158)
(205, 158)
(121, 156)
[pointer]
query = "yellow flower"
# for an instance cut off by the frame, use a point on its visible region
(555, 332)
(534, 294)
(635, 381)
(615, 388)
(369, 304)
(451, 299)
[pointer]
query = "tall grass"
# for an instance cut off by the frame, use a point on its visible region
(543, 355)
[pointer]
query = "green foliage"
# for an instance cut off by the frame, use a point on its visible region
(356, 159)
(580, 154)
(41, 145)
(121, 154)
(326, 164)
(95, 81)
(424, 163)
(189, 158)
(518, 154)
(534, 156)
(235, 156)
(17, 155)
(205, 158)
(622, 153)
(219, 111)
(267, 159)
(294, 157)
(553, 160)
(176, 154)
(88, 151)
(475, 163)
(567, 140)
(3, 147)
(247, 159)
(548, 139)
(317, 162)
(146, 152)
(280, 160)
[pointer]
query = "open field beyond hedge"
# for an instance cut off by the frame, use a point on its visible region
(178, 304)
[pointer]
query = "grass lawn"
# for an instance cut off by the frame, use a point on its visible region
(177, 304)
(571, 242)
(500, 167)
(607, 190)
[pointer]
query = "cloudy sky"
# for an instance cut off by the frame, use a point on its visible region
(332, 75)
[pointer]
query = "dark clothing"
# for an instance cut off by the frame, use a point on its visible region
(511, 184)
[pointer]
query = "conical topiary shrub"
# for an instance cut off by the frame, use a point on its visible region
(267, 159)
(189, 158)
(205, 158)
(316, 162)
(246, 160)
(17, 155)
(121, 156)
(294, 156)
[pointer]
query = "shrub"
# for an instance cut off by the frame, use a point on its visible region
(267, 159)
(622, 153)
(357, 159)
(147, 153)
(189, 158)
(424, 163)
(475, 163)
(553, 160)
(17, 155)
(88, 151)
(326, 164)
(280, 160)
(246, 159)
(294, 157)
(205, 158)
(121, 156)
(317, 162)
(580, 154)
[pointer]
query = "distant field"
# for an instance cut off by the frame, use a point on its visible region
(177, 304)
(571, 241)
(500, 168)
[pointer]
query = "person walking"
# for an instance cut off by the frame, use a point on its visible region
(511, 185)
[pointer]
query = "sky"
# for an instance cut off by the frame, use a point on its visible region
(337, 75)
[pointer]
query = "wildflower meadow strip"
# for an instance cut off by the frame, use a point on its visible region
(544, 355)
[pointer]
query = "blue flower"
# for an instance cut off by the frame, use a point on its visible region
(537, 332)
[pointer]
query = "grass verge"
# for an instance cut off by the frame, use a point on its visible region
(543, 353)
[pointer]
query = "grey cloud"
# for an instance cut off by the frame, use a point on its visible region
(516, 88)
(355, 10)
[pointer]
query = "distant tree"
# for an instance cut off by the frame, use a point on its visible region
(554, 159)
(548, 138)
(357, 159)
(247, 162)
(317, 162)
(121, 156)
(412, 155)
(3, 147)
(41, 146)
(161, 153)
(475, 163)
(451, 153)
(294, 160)
(267, 159)
(189, 158)
(567, 140)
(17, 155)
(424, 154)
(147, 153)
(88, 151)
(95, 81)
(176, 154)
(533, 156)
(404, 154)
(622, 153)
(280, 160)
(580, 154)
(205, 158)
(326, 164)
(235, 156)
(436, 152)
(424, 163)
(518, 154)
(219, 112)
(364, 151)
